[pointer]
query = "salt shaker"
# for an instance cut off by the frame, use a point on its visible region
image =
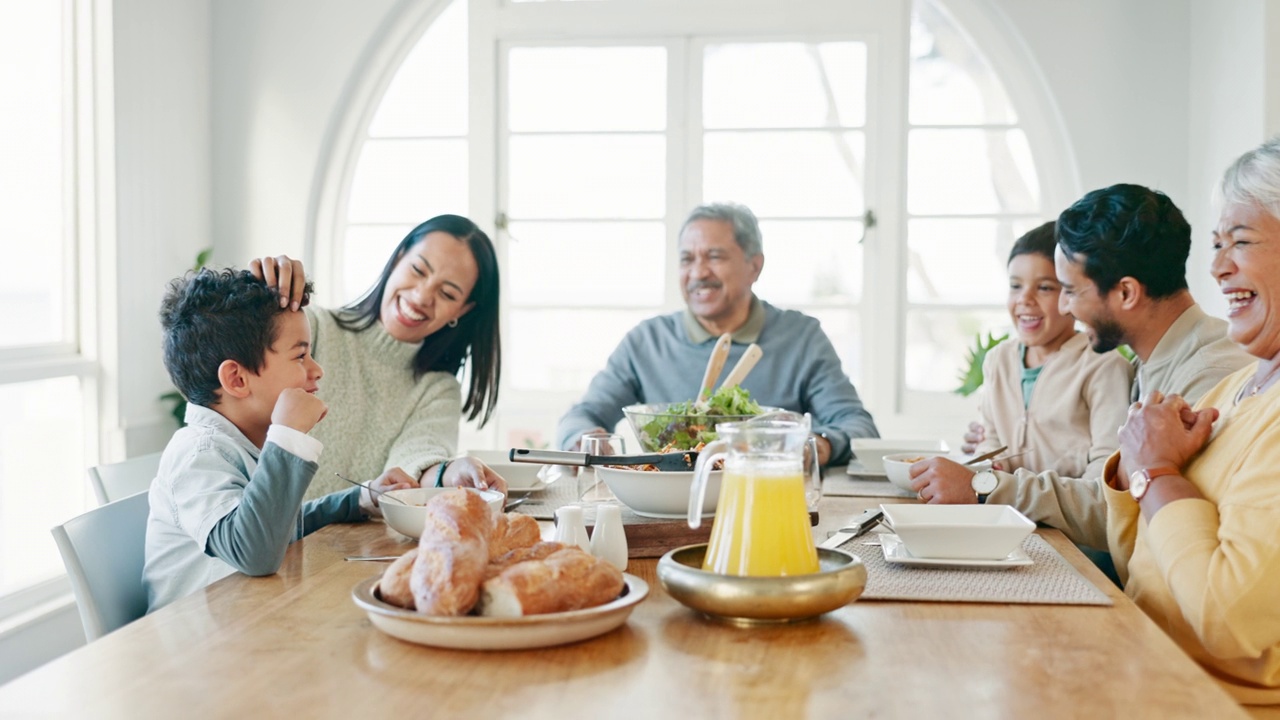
(570, 527)
(608, 539)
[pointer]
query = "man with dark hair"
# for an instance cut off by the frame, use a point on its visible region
(1121, 259)
(662, 359)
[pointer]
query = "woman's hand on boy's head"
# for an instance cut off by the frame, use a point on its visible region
(284, 274)
(470, 472)
(298, 409)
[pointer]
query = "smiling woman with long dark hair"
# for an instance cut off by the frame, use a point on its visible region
(393, 358)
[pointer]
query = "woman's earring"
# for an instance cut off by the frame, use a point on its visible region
(453, 322)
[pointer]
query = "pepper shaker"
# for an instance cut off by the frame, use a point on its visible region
(570, 527)
(609, 539)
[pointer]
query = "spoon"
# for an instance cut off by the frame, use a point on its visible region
(715, 364)
(749, 358)
(379, 493)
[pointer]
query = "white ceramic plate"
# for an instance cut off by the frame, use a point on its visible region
(896, 552)
(520, 477)
(490, 633)
(855, 468)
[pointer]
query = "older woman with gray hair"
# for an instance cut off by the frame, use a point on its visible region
(1193, 495)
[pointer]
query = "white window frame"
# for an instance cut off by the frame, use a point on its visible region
(897, 410)
(88, 247)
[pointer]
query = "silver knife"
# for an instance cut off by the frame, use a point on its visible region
(858, 526)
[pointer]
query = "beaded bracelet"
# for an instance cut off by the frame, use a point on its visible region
(440, 475)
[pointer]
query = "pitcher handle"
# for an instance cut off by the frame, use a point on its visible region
(707, 458)
(813, 493)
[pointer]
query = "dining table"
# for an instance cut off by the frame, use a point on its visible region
(294, 644)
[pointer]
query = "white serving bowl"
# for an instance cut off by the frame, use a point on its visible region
(660, 494)
(520, 476)
(871, 451)
(897, 467)
(410, 519)
(960, 532)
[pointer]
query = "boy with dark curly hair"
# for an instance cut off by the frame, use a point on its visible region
(228, 495)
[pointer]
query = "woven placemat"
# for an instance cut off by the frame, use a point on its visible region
(840, 484)
(1050, 580)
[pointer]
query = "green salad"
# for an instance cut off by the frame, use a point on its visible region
(683, 427)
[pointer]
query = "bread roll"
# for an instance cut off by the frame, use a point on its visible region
(394, 585)
(512, 531)
(452, 554)
(568, 579)
(537, 551)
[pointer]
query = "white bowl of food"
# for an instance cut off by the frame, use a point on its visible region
(958, 532)
(897, 467)
(658, 493)
(520, 476)
(870, 452)
(410, 518)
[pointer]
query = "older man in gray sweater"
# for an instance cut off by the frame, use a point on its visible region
(662, 359)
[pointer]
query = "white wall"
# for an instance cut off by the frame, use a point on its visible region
(1227, 103)
(281, 70)
(163, 192)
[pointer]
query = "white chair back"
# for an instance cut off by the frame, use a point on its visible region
(103, 550)
(122, 479)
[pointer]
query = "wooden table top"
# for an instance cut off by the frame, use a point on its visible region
(294, 644)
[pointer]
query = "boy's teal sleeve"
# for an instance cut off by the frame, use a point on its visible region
(341, 506)
(253, 537)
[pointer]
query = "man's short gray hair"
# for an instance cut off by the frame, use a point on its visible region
(746, 230)
(1254, 179)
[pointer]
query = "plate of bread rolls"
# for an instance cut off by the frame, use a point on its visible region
(484, 580)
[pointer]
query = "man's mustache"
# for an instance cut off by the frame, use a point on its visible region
(707, 284)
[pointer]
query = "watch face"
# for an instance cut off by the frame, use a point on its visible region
(984, 483)
(1138, 485)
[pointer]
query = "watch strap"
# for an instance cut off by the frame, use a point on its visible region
(1149, 475)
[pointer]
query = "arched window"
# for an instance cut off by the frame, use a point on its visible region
(890, 166)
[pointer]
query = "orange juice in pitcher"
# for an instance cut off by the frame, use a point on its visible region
(762, 517)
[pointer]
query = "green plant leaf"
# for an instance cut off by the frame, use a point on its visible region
(202, 258)
(971, 378)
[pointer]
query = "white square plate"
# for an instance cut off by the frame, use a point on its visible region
(868, 453)
(896, 552)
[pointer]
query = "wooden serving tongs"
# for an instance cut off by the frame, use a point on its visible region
(715, 364)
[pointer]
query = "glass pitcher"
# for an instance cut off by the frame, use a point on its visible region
(762, 517)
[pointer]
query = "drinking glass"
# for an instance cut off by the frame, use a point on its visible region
(591, 489)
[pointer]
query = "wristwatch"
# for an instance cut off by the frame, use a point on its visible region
(1140, 480)
(984, 483)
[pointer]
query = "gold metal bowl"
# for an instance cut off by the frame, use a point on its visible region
(762, 600)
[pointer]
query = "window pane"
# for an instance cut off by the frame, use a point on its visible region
(969, 172)
(814, 261)
(767, 85)
(587, 88)
(563, 350)
(567, 176)
(787, 174)
(42, 476)
(587, 264)
(938, 342)
(843, 328)
(365, 250)
(951, 82)
(399, 181)
(32, 228)
(961, 261)
(428, 95)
